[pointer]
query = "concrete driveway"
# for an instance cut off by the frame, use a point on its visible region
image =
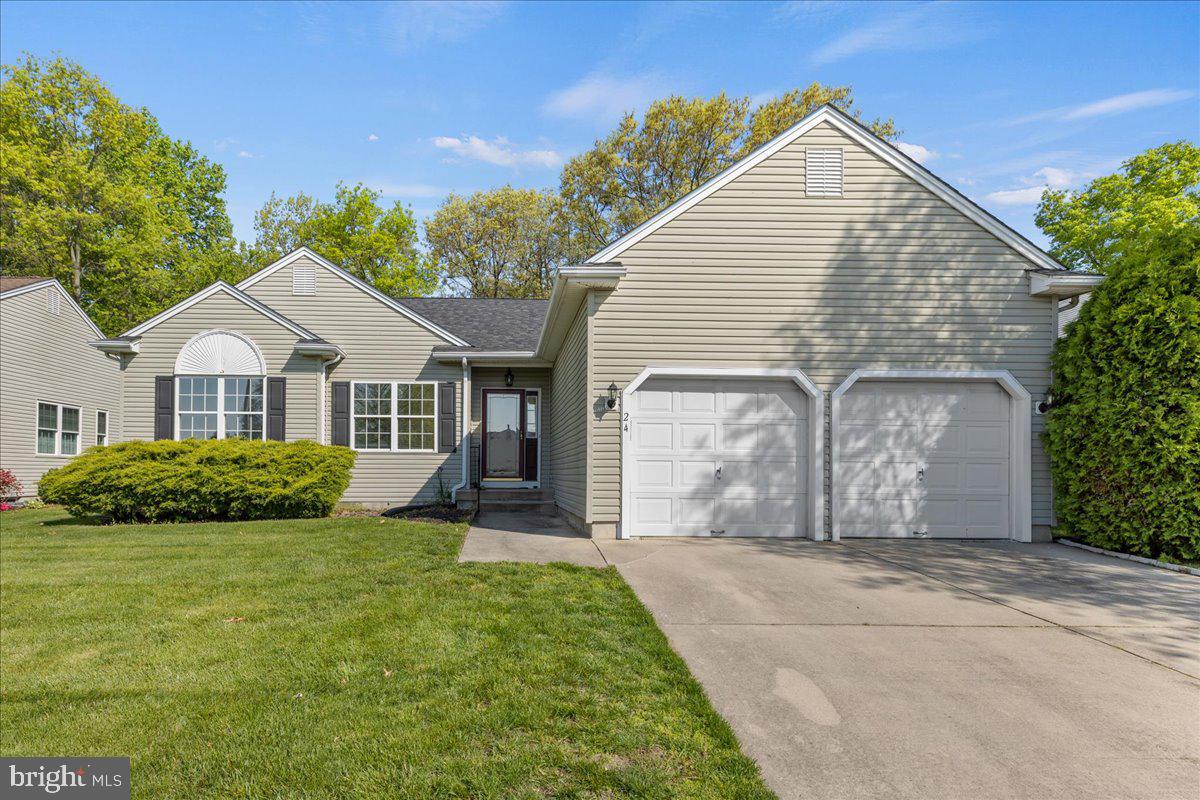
(937, 669)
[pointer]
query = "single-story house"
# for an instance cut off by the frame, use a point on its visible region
(825, 340)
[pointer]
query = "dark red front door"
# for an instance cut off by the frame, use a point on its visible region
(509, 450)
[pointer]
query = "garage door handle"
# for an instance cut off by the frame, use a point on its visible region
(921, 474)
(718, 473)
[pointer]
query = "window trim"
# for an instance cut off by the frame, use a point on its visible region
(58, 429)
(393, 416)
(221, 412)
(103, 411)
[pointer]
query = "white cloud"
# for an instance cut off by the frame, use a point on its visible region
(604, 98)
(1109, 106)
(372, 137)
(1124, 103)
(224, 144)
(498, 151)
(1045, 178)
(246, 154)
(918, 153)
(409, 26)
(927, 26)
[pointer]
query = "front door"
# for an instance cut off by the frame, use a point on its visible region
(511, 435)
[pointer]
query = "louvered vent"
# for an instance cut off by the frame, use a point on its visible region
(304, 279)
(823, 173)
(52, 300)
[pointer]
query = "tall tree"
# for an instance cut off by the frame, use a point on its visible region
(376, 244)
(501, 243)
(644, 166)
(92, 192)
(1155, 195)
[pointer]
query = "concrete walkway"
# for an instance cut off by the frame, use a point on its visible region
(528, 537)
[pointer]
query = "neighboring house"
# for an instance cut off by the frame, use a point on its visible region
(58, 396)
(1068, 312)
(824, 340)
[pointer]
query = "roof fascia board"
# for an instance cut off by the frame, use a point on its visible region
(1063, 284)
(391, 303)
(889, 154)
(570, 286)
(232, 291)
(54, 282)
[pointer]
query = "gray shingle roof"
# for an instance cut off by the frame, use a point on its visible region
(488, 324)
(7, 284)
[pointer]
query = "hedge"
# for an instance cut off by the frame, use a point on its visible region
(194, 480)
(1123, 434)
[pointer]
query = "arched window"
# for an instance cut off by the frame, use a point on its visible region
(219, 387)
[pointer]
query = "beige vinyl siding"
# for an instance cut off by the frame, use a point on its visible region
(759, 275)
(380, 345)
(46, 357)
(569, 415)
(160, 346)
(523, 378)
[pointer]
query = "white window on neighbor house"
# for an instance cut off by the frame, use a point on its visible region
(102, 428)
(57, 429)
(395, 416)
(220, 407)
(823, 172)
(304, 279)
(53, 301)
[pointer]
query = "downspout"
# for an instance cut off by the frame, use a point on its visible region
(466, 435)
(324, 377)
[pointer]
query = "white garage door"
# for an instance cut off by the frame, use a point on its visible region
(923, 458)
(717, 457)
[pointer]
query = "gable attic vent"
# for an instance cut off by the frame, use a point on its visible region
(304, 279)
(52, 300)
(823, 172)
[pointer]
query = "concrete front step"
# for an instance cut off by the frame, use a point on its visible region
(515, 494)
(540, 506)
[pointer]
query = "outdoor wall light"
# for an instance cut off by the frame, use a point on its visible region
(612, 396)
(508, 377)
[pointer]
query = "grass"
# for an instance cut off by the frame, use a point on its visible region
(343, 658)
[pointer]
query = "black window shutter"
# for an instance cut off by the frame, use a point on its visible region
(164, 407)
(446, 417)
(276, 408)
(341, 413)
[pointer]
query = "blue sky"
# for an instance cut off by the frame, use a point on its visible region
(421, 99)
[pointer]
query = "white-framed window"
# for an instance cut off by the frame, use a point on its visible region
(57, 429)
(220, 407)
(102, 428)
(395, 416)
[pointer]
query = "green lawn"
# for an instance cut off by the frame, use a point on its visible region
(369, 664)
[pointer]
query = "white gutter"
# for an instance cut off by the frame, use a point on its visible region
(581, 277)
(324, 378)
(465, 457)
(115, 346)
(1062, 284)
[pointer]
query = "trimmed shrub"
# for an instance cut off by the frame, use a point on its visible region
(194, 480)
(1124, 432)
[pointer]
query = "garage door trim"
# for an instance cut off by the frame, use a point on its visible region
(816, 434)
(1020, 413)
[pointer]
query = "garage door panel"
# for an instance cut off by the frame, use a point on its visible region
(753, 430)
(653, 436)
(697, 436)
(933, 460)
(657, 474)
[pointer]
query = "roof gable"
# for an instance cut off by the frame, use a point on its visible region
(15, 287)
(366, 288)
(869, 141)
(221, 287)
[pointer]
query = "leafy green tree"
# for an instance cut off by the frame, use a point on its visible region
(92, 192)
(644, 166)
(1124, 433)
(375, 244)
(505, 242)
(1156, 194)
